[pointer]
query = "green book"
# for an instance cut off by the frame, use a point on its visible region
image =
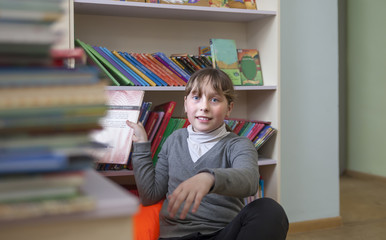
(91, 53)
(224, 57)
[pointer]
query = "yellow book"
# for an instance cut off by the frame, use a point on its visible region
(132, 67)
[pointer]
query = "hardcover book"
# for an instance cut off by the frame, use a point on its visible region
(250, 67)
(224, 57)
(168, 109)
(116, 135)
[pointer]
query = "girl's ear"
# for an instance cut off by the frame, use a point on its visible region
(185, 104)
(230, 108)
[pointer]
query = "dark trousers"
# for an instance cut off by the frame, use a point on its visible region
(262, 219)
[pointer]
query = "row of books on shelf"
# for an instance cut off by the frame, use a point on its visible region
(243, 4)
(141, 69)
(46, 114)
(157, 69)
(259, 194)
(159, 124)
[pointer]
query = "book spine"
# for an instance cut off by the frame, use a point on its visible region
(97, 62)
(119, 65)
(171, 76)
(168, 109)
(145, 80)
(142, 68)
(177, 77)
(118, 70)
(152, 67)
(184, 75)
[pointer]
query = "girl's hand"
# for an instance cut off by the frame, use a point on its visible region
(139, 132)
(189, 192)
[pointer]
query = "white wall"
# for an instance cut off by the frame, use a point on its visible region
(309, 109)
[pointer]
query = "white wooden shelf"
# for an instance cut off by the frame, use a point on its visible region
(182, 88)
(167, 11)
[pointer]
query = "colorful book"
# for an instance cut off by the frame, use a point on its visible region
(116, 135)
(224, 57)
(250, 67)
(204, 50)
(168, 109)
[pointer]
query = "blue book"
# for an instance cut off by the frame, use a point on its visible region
(112, 62)
(125, 68)
(30, 163)
(144, 69)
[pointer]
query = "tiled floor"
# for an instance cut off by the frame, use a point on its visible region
(363, 211)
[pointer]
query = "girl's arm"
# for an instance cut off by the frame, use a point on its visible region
(151, 182)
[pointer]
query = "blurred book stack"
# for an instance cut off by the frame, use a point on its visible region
(47, 111)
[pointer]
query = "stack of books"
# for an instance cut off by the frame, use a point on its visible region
(144, 69)
(47, 111)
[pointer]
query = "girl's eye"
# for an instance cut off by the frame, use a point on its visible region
(214, 100)
(195, 97)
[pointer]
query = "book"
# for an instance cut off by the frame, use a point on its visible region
(163, 78)
(126, 75)
(156, 125)
(177, 70)
(263, 136)
(158, 81)
(224, 57)
(179, 79)
(27, 76)
(95, 61)
(250, 67)
(153, 118)
(116, 135)
(168, 109)
(45, 161)
(51, 207)
(143, 79)
(204, 50)
(169, 76)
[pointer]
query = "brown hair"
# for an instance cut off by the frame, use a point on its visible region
(216, 78)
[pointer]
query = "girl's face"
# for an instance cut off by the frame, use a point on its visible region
(206, 112)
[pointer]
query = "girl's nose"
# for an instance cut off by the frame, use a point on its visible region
(204, 105)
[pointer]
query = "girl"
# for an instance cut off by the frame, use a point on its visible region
(205, 172)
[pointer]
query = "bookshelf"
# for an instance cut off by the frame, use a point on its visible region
(146, 27)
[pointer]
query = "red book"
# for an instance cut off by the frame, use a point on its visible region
(255, 130)
(156, 126)
(151, 61)
(150, 65)
(173, 76)
(239, 126)
(168, 109)
(153, 117)
(61, 56)
(179, 78)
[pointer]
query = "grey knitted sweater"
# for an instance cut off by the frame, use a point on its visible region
(233, 161)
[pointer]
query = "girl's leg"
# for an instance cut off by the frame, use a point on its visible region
(262, 219)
